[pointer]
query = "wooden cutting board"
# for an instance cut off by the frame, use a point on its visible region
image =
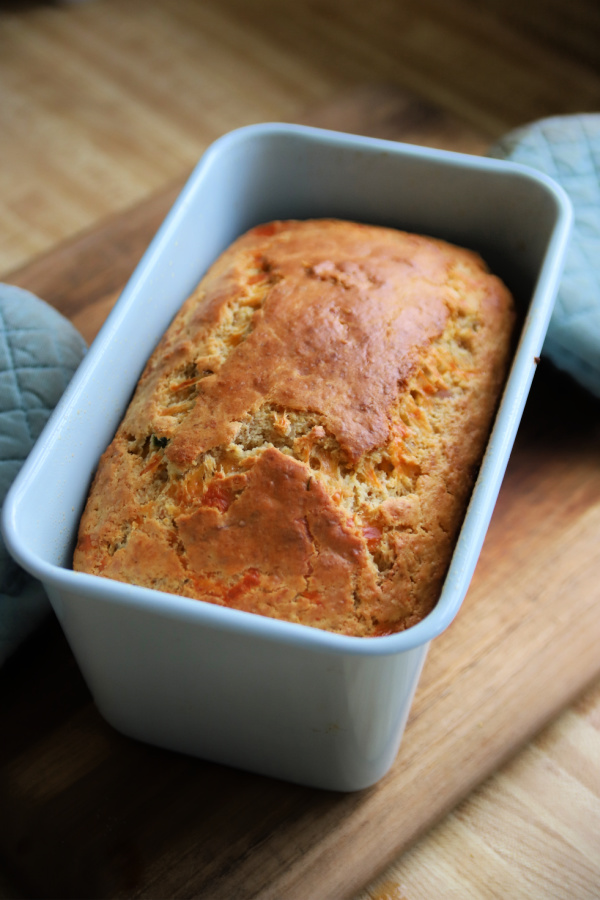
(88, 813)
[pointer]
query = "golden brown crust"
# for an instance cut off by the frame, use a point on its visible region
(303, 441)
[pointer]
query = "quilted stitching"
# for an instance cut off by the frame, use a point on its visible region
(567, 148)
(39, 352)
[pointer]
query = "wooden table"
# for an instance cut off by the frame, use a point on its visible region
(104, 108)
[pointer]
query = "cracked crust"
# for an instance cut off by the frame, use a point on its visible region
(303, 441)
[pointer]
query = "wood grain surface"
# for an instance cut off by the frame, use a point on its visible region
(106, 102)
(105, 105)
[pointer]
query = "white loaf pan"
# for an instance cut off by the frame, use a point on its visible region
(281, 699)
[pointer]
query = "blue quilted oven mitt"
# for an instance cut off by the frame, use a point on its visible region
(39, 352)
(568, 149)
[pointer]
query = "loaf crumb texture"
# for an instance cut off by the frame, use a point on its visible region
(304, 439)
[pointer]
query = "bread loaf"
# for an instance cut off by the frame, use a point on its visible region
(303, 442)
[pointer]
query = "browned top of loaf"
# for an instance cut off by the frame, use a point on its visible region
(302, 442)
